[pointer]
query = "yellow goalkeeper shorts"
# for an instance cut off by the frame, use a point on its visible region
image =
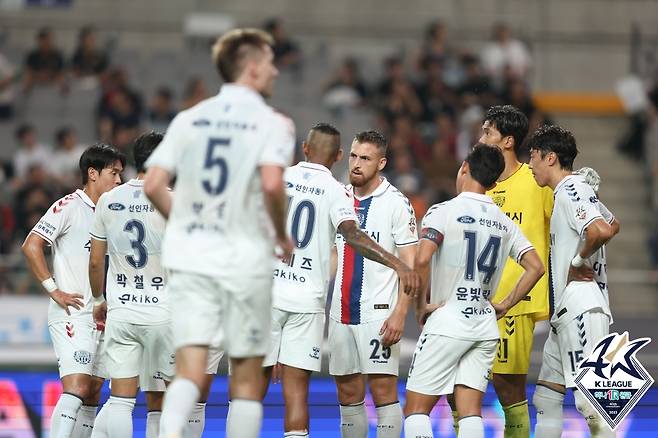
(515, 344)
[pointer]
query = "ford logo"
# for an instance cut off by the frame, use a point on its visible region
(115, 206)
(465, 219)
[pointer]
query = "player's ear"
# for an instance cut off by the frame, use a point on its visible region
(306, 148)
(339, 154)
(382, 164)
(92, 174)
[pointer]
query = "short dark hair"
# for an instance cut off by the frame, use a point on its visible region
(553, 138)
(326, 128)
(509, 120)
(144, 147)
(486, 164)
(22, 130)
(230, 49)
(374, 137)
(99, 156)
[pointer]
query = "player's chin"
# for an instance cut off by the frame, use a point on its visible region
(357, 180)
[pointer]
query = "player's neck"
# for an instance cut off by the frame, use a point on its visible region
(140, 175)
(369, 187)
(512, 164)
(473, 186)
(91, 193)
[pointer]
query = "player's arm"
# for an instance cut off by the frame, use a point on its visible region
(533, 270)
(33, 249)
(392, 329)
(274, 195)
(370, 249)
(597, 233)
(156, 183)
(97, 278)
(430, 241)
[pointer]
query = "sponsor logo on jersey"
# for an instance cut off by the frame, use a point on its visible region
(115, 206)
(466, 219)
(612, 379)
(412, 225)
(82, 357)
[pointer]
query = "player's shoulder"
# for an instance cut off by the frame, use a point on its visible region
(397, 199)
(574, 189)
(70, 202)
(437, 210)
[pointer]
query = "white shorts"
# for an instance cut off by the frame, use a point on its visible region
(140, 350)
(567, 347)
(440, 362)
(358, 349)
(214, 357)
(296, 340)
(233, 314)
(79, 347)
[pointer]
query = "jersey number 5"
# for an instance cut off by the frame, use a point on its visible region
(213, 161)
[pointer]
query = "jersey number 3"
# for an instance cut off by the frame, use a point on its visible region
(137, 244)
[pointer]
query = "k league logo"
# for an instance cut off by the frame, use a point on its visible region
(612, 378)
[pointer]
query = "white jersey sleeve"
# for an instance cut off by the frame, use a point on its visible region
(341, 208)
(281, 144)
(433, 225)
(582, 210)
(55, 221)
(404, 223)
(606, 213)
(170, 150)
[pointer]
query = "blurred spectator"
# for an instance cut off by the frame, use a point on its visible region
(45, 64)
(403, 175)
(437, 49)
(30, 152)
(441, 172)
(66, 158)
(195, 92)
(475, 80)
(36, 196)
(346, 88)
(116, 81)
(403, 101)
(7, 76)
(436, 96)
(286, 52)
(120, 123)
(505, 56)
(393, 71)
(470, 122)
(161, 110)
(88, 60)
(404, 127)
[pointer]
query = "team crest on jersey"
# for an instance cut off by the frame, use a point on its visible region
(499, 200)
(581, 213)
(412, 225)
(115, 206)
(466, 219)
(82, 357)
(612, 379)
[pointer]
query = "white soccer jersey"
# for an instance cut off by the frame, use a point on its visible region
(133, 230)
(65, 226)
(576, 206)
(317, 205)
(218, 224)
(365, 290)
(475, 239)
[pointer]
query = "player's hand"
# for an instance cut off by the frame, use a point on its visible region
(410, 280)
(392, 329)
(284, 248)
(583, 273)
(100, 315)
(421, 317)
(65, 300)
(501, 309)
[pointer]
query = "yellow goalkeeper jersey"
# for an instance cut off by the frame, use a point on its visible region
(530, 206)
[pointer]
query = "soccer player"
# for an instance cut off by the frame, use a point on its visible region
(228, 154)
(77, 341)
(464, 244)
(318, 206)
(368, 306)
(580, 313)
(137, 334)
(530, 207)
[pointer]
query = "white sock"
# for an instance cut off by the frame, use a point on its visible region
(179, 401)
(64, 415)
(120, 414)
(153, 424)
(296, 434)
(418, 426)
(549, 412)
(389, 420)
(246, 419)
(100, 425)
(84, 424)
(196, 422)
(471, 427)
(353, 421)
(597, 426)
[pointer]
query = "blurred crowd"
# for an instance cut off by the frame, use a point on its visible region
(429, 102)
